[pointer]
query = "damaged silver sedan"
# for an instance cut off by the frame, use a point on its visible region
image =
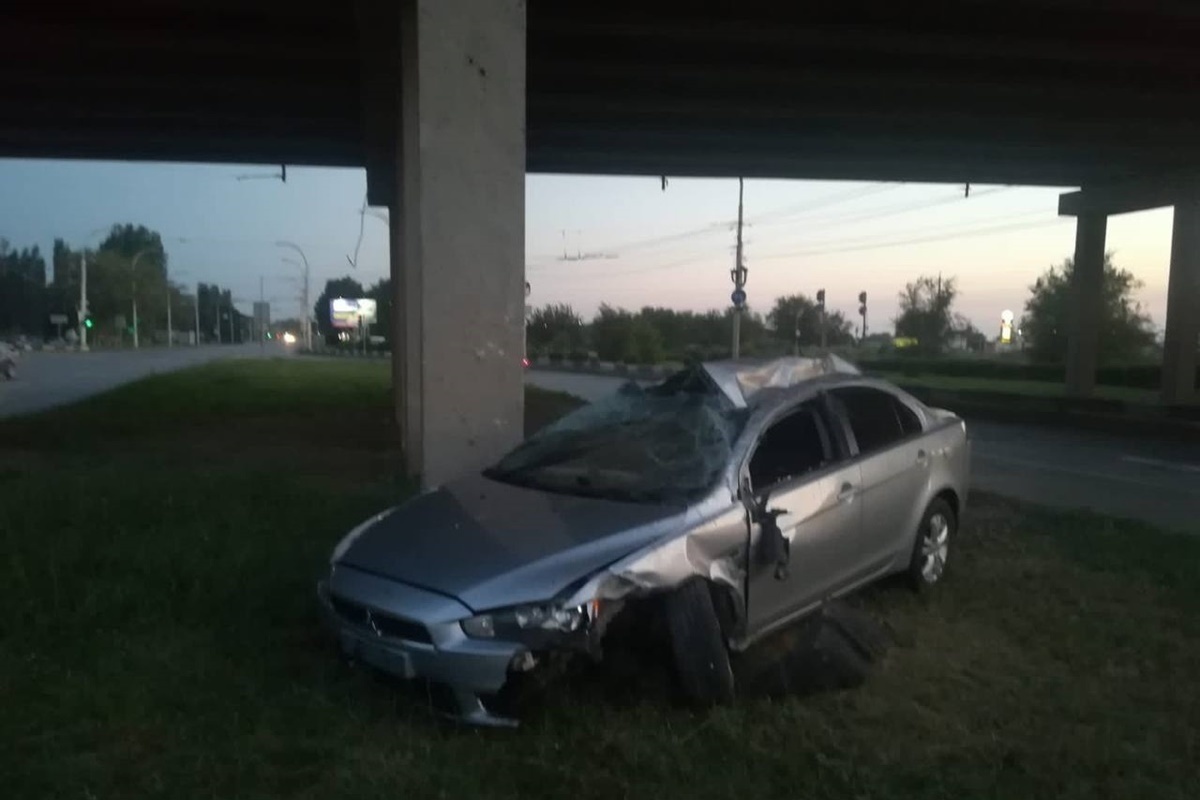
(734, 498)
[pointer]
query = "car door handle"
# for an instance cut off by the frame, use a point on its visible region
(846, 493)
(922, 457)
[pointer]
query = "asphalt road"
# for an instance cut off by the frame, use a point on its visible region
(1150, 480)
(48, 379)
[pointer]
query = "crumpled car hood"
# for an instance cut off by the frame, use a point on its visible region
(490, 544)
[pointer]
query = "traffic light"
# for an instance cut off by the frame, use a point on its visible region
(87, 323)
(821, 297)
(862, 304)
(862, 298)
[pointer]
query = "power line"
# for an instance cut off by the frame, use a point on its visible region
(963, 234)
(723, 226)
(898, 209)
(938, 229)
(825, 202)
(986, 231)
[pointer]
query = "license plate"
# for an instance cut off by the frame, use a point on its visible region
(377, 656)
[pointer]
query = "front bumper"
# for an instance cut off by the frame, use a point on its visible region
(467, 667)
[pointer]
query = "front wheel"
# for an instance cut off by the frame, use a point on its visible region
(701, 658)
(931, 551)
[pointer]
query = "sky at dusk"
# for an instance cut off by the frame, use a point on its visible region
(643, 245)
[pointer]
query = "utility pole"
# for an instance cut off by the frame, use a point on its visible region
(133, 280)
(170, 330)
(796, 347)
(738, 274)
(862, 309)
(262, 334)
(83, 306)
(821, 315)
(197, 313)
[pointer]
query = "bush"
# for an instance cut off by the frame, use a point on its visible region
(579, 357)
(556, 357)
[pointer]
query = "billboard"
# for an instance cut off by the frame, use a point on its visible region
(346, 312)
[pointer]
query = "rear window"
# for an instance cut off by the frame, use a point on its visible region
(878, 419)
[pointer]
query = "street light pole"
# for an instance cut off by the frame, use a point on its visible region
(83, 306)
(133, 279)
(197, 313)
(305, 301)
(262, 300)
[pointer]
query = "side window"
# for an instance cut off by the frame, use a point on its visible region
(910, 423)
(877, 418)
(794, 445)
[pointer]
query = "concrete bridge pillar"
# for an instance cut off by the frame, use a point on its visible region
(1183, 305)
(1086, 309)
(458, 234)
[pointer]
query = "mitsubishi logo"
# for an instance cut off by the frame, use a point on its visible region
(371, 624)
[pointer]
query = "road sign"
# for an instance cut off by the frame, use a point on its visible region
(738, 297)
(58, 319)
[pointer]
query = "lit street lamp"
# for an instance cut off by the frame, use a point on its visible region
(305, 315)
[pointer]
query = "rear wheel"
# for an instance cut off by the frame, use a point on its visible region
(698, 646)
(931, 551)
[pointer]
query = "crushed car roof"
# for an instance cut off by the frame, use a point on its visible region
(741, 380)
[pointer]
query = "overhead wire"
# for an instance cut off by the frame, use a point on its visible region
(985, 231)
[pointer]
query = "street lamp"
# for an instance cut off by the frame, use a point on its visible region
(83, 303)
(305, 316)
(133, 280)
(196, 309)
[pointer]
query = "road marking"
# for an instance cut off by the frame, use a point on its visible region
(1160, 464)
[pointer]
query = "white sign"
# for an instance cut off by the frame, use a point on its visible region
(347, 313)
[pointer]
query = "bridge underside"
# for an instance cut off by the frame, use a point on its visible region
(445, 103)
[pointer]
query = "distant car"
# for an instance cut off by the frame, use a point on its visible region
(8, 361)
(732, 499)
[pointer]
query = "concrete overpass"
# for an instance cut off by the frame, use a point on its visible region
(447, 103)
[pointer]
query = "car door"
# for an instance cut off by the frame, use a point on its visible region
(799, 466)
(887, 438)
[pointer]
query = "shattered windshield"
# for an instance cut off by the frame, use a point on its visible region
(667, 443)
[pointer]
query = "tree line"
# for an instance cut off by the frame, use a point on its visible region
(926, 325)
(129, 264)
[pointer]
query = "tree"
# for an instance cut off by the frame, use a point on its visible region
(23, 293)
(131, 263)
(337, 287)
(219, 320)
(1125, 330)
(782, 321)
(612, 332)
(555, 329)
(925, 312)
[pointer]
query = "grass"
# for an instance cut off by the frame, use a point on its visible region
(1036, 388)
(160, 637)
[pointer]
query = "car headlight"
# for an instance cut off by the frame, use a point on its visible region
(533, 624)
(353, 535)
